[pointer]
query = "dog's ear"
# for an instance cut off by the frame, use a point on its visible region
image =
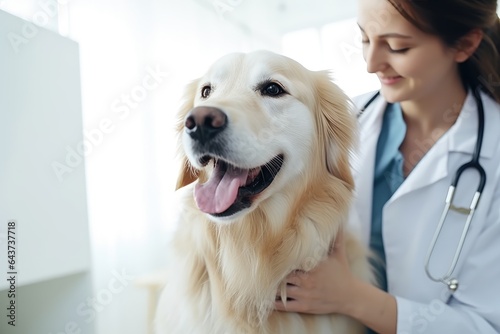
(337, 126)
(187, 173)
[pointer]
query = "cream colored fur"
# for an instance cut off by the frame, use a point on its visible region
(225, 273)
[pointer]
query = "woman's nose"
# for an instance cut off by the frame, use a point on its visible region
(375, 58)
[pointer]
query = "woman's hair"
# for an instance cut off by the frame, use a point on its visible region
(451, 20)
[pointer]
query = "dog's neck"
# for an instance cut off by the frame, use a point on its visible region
(248, 259)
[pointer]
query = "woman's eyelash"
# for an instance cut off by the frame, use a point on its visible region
(403, 50)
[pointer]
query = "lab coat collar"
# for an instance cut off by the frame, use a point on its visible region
(461, 137)
(363, 163)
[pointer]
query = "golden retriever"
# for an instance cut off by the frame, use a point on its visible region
(265, 188)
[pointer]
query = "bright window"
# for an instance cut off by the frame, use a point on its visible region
(335, 47)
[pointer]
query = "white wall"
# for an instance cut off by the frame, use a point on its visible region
(40, 115)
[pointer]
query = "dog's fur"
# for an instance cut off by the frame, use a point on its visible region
(226, 271)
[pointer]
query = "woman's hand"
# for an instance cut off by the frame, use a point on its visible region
(325, 289)
(331, 287)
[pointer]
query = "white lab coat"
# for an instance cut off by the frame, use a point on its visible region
(411, 216)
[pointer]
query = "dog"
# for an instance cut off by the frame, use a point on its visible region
(264, 188)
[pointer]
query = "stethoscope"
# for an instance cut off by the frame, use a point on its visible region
(447, 278)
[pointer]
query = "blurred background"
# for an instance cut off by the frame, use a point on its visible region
(88, 95)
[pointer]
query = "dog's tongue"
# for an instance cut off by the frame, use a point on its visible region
(220, 191)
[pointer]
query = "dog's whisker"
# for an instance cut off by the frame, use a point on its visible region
(275, 166)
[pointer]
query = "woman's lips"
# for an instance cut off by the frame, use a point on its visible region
(390, 80)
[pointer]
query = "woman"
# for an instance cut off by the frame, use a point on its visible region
(430, 56)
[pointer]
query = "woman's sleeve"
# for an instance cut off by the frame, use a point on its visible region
(475, 306)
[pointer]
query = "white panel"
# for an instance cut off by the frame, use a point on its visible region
(57, 306)
(40, 117)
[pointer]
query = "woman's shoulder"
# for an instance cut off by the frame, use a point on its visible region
(492, 113)
(491, 125)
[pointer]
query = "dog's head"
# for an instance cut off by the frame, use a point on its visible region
(257, 124)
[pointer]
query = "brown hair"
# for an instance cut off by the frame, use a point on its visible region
(453, 19)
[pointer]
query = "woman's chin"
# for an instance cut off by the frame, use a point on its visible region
(392, 96)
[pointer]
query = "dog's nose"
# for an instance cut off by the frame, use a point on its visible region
(204, 123)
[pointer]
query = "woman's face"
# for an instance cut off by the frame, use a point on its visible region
(409, 63)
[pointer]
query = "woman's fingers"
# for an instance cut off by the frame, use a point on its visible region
(292, 291)
(293, 302)
(294, 279)
(291, 306)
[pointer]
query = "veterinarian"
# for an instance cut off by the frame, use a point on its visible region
(439, 68)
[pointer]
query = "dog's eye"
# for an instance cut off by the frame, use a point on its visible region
(205, 91)
(272, 89)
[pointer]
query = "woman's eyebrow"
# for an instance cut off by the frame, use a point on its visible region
(389, 35)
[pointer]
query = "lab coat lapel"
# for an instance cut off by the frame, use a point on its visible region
(364, 164)
(431, 168)
(461, 137)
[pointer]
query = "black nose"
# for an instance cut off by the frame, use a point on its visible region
(204, 123)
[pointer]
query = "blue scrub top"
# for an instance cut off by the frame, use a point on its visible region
(388, 177)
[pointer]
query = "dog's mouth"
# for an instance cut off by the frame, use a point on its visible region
(230, 188)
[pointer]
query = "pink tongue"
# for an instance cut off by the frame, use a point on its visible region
(220, 191)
